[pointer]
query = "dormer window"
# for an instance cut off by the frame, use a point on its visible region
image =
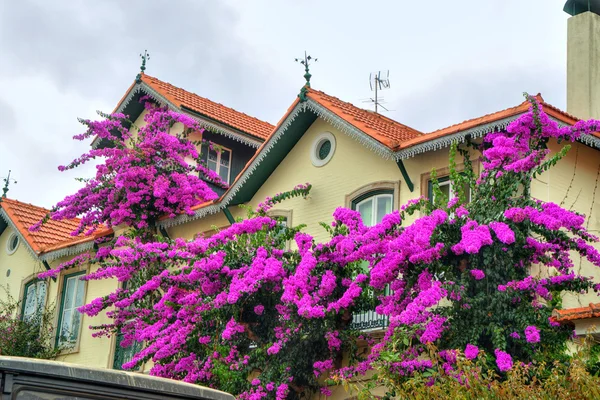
(219, 160)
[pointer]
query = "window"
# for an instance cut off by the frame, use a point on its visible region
(69, 319)
(284, 219)
(446, 189)
(373, 202)
(34, 299)
(219, 160)
(373, 207)
(13, 243)
(124, 354)
(322, 149)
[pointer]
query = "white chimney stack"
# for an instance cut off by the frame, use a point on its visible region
(583, 58)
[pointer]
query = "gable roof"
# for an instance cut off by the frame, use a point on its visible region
(383, 135)
(379, 127)
(218, 112)
(52, 236)
(477, 127)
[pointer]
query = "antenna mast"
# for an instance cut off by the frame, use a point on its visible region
(378, 81)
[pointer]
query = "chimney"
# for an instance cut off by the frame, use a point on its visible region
(583, 58)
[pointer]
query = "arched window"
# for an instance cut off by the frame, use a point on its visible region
(34, 299)
(374, 201)
(374, 206)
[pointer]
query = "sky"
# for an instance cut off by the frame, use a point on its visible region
(448, 61)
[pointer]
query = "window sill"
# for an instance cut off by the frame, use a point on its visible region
(66, 352)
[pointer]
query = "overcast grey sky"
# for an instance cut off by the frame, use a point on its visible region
(448, 61)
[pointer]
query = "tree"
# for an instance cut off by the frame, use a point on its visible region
(241, 312)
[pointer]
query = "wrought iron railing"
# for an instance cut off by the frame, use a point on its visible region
(369, 321)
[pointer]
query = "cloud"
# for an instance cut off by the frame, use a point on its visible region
(65, 59)
(8, 119)
(464, 94)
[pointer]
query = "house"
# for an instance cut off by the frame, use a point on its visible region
(352, 157)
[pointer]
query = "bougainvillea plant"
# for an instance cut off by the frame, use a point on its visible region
(245, 312)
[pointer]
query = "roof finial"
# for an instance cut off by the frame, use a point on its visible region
(7, 182)
(145, 57)
(307, 75)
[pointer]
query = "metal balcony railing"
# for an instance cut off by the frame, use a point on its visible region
(369, 321)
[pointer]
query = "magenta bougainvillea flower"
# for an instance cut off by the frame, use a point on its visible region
(243, 309)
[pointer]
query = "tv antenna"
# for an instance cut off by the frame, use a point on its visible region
(378, 81)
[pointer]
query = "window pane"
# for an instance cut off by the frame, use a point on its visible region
(384, 207)
(80, 292)
(65, 326)
(30, 300)
(74, 330)
(467, 192)
(365, 208)
(224, 173)
(68, 293)
(41, 295)
(445, 189)
(212, 160)
(225, 158)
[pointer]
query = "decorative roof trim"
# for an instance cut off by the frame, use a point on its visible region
(590, 140)
(347, 128)
(309, 105)
(446, 141)
(239, 182)
(200, 213)
(67, 251)
(212, 126)
(205, 123)
(10, 223)
(476, 132)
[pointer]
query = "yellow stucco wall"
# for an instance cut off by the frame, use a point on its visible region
(23, 267)
(20, 264)
(572, 183)
(351, 167)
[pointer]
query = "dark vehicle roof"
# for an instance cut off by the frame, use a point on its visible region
(108, 378)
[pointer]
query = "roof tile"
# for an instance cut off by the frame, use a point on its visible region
(383, 129)
(489, 118)
(53, 235)
(573, 314)
(218, 112)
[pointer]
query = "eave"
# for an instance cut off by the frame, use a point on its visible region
(204, 121)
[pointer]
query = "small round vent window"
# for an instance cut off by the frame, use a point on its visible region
(12, 244)
(323, 149)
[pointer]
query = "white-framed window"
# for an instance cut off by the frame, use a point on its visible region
(219, 160)
(374, 206)
(69, 318)
(13, 243)
(323, 149)
(447, 189)
(284, 219)
(34, 299)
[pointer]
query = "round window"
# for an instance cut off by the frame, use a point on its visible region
(13, 243)
(323, 149)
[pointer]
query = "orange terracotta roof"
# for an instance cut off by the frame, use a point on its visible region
(488, 118)
(383, 129)
(218, 112)
(53, 235)
(573, 314)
